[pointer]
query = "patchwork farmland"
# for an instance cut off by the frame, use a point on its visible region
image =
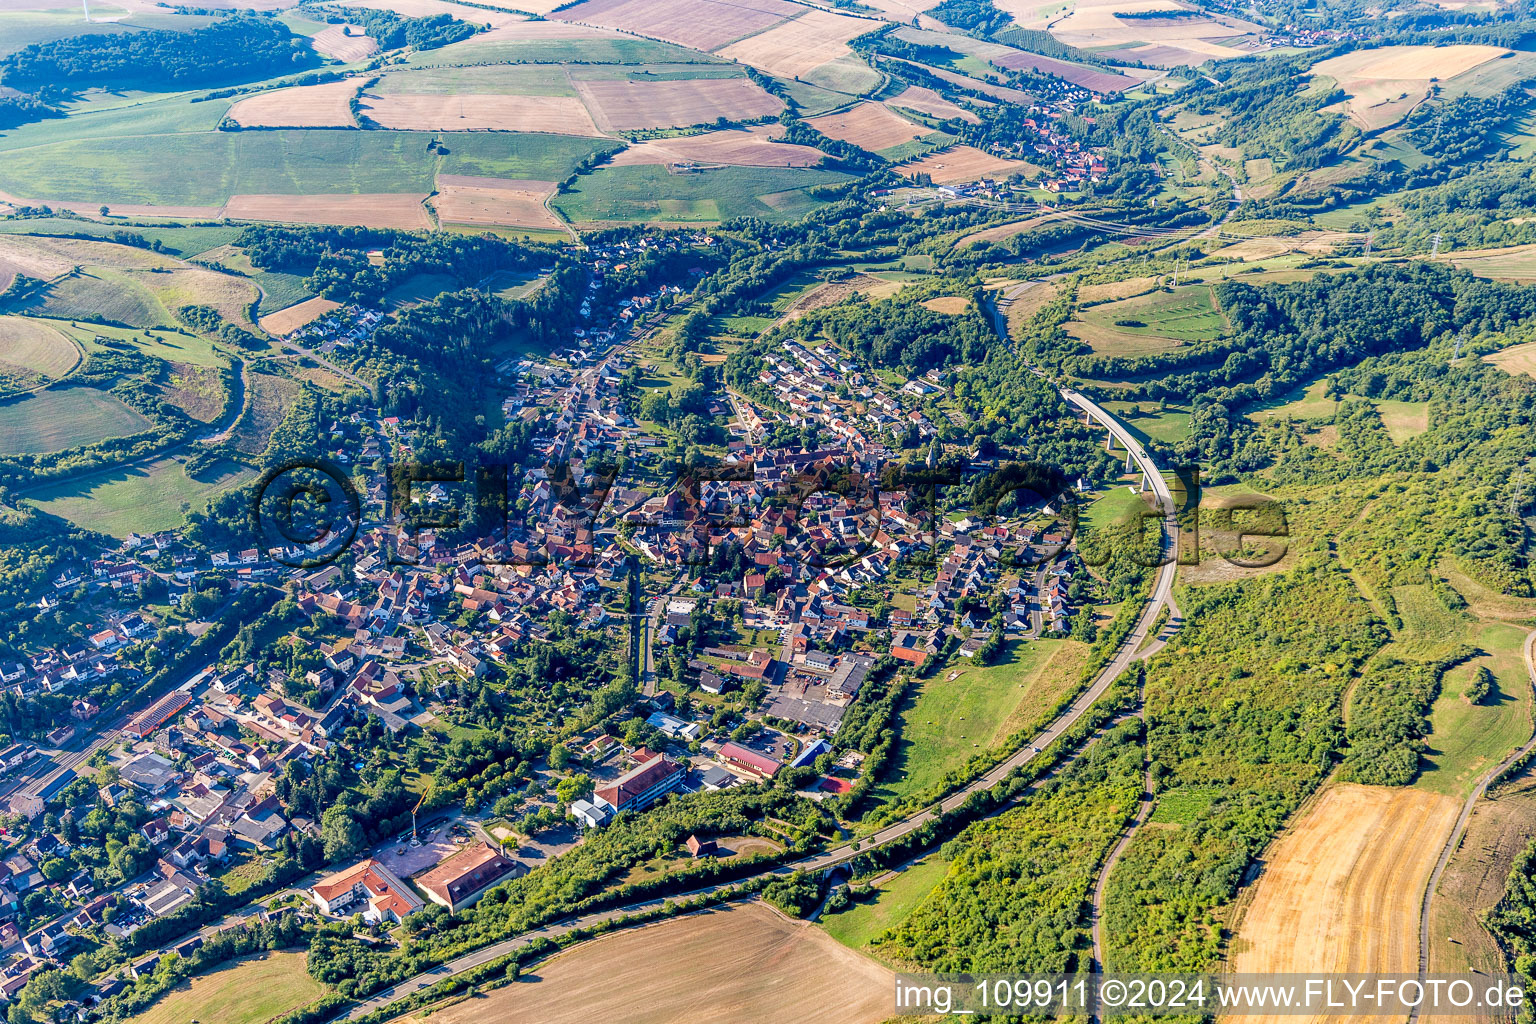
(697, 24)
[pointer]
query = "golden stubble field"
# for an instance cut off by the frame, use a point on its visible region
(738, 147)
(383, 210)
(745, 965)
(869, 126)
(926, 101)
(559, 115)
(1341, 889)
(307, 106)
(800, 46)
(964, 163)
(619, 105)
(1386, 83)
(465, 199)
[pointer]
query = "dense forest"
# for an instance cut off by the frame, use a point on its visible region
(239, 48)
(392, 31)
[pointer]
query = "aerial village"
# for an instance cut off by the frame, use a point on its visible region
(762, 621)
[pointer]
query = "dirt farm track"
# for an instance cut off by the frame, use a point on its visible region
(1341, 891)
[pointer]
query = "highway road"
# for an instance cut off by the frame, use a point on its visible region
(1123, 658)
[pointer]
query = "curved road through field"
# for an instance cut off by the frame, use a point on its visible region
(1127, 653)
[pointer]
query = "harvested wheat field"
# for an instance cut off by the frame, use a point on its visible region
(800, 46)
(1341, 890)
(697, 24)
(964, 163)
(738, 147)
(1404, 62)
(308, 106)
(1315, 243)
(556, 115)
(510, 202)
(1386, 83)
(1516, 359)
(1188, 37)
(926, 101)
(869, 126)
(344, 43)
(19, 256)
(385, 210)
(747, 965)
(36, 348)
(951, 304)
(1515, 263)
(300, 314)
(52, 256)
(529, 31)
(618, 105)
(1090, 294)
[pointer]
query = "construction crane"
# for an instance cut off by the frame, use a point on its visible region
(424, 794)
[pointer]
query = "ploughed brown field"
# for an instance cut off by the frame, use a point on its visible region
(745, 965)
